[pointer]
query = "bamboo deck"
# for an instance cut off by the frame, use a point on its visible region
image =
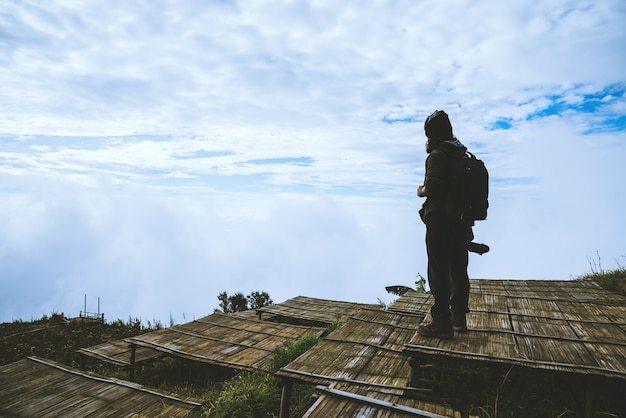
(363, 367)
(567, 326)
(312, 311)
(366, 350)
(350, 401)
(37, 388)
(364, 361)
(118, 353)
(227, 340)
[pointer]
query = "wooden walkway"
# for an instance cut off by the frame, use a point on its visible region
(38, 388)
(567, 326)
(371, 366)
(314, 314)
(364, 357)
(226, 340)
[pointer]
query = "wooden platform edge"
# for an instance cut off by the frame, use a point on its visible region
(117, 382)
(103, 357)
(413, 351)
(377, 402)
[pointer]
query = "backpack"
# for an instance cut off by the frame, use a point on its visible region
(469, 195)
(475, 188)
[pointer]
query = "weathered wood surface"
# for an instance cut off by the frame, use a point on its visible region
(353, 401)
(568, 326)
(572, 326)
(365, 351)
(314, 311)
(233, 341)
(413, 302)
(363, 357)
(118, 353)
(38, 388)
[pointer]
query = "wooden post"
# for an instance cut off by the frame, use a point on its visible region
(285, 398)
(133, 349)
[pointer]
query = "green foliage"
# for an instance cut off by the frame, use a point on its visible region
(258, 394)
(237, 302)
(399, 290)
(247, 395)
(420, 284)
(289, 352)
(224, 303)
(258, 300)
(57, 338)
(338, 323)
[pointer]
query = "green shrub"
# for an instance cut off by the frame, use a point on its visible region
(257, 394)
(289, 352)
(248, 395)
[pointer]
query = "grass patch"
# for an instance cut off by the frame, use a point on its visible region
(289, 352)
(57, 338)
(257, 394)
(246, 395)
(612, 280)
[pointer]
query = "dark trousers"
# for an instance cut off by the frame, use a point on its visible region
(446, 245)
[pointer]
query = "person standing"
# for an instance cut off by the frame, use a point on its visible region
(447, 235)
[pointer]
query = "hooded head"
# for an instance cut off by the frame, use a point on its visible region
(438, 126)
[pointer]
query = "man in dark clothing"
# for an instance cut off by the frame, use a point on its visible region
(447, 235)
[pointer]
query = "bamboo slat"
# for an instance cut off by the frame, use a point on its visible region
(118, 353)
(232, 341)
(349, 401)
(365, 350)
(38, 388)
(571, 326)
(413, 302)
(314, 311)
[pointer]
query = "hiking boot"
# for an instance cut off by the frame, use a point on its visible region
(459, 323)
(436, 330)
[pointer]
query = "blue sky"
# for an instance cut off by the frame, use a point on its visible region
(154, 154)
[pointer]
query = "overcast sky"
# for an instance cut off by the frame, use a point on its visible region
(155, 153)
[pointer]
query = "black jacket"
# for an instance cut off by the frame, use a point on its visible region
(443, 196)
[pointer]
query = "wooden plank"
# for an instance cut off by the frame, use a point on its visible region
(351, 401)
(229, 341)
(315, 310)
(434, 354)
(366, 350)
(46, 389)
(396, 407)
(118, 353)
